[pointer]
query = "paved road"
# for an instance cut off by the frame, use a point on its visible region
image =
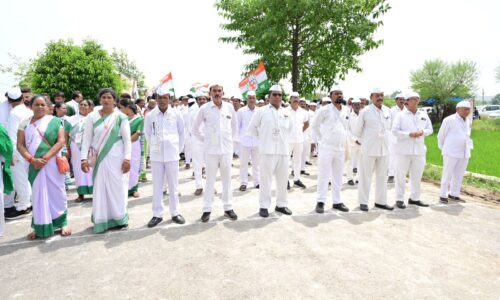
(450, 251)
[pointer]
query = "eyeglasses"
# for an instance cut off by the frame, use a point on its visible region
(276, 94)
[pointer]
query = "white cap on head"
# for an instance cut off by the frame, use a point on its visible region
(191, 100)
(14, 93)
(335, 88)
(400, 95)
(162, 91)
(251, 93)
(302, 100)
(313, 104)
(276, 88)
(307, 102)
(411, 95)
(326, 99)
(199, 94)
(376, 91)
(260, 101)
(356, 100)
(463, 103)
(294, 94)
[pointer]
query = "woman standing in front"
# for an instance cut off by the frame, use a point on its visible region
(106, 137)
(39, 140)
(83, 181)
(136, 126)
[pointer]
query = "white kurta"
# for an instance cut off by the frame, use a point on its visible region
(354, 148)
(395, 111)
(298, 118)
(248, 147)
(83, 181)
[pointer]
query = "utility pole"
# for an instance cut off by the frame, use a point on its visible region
(483, 96)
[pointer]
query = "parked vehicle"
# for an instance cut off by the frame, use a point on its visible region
(494, 115)
(488, 109)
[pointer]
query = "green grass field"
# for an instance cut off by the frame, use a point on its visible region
(485, 158)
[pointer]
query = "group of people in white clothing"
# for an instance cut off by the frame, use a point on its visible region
(105, 146)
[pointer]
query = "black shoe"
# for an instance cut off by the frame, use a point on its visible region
(283, 210)
(122, 227)
(443, 200)
(231, 215)
(308, 163)
(154, 221)
(363, 207)
(16, 214)
(263, 213)
(187, 166)
(243, 188)
(455, 198)
(341, 207)
(288, 185)
(418, 203)
(320, 207)
(178, 219)
(257, 186)
(400, 204)
(384, 206)
(391, 179)
(351, 182)
(205, 217)
(198, 192)
(292, 173)
(355, 170)
(304, 173)
(299, 184)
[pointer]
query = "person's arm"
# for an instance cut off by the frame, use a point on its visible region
(197, 124)
(254, 124)
(57, 146)
(38, 163)
(181, 130)
(306, 121)
(397, 131)
(317, 124)
(148, 128)
(234, 125)
(136, 135)
(359, 125)
(428, 130)
(88, 133)
(127, 145)
(443, 131)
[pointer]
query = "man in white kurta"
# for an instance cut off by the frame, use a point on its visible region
(198, 155)
(353, 141)
(456, 144)
(165, 133)
(373, 129)
(220, 130)
(410, 128)
(395, 111)
(271, 124)
(331, 127)
(22, 187)
(248, 143)
(300, 122)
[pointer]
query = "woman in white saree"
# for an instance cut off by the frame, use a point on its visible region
(39, 140)
(107, 135)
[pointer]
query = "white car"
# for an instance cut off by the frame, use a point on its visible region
(488, 109)
(494, 115)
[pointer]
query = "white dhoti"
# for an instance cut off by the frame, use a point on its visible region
(276, 165)
(368, 165)
(453, 175)
(330, 167)
(162, 171)
(415, 164)
(215, 162)
(245, 154)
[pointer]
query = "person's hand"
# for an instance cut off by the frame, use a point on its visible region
(68, 155)
(126, 166)
(85, 166)
(38, 163)
(414, 134)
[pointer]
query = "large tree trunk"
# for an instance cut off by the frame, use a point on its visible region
(295, 57)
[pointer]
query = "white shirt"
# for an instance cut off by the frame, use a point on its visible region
(331, 127)
(165, 134)
(353, 120)
(395, 111)
(454, 137)
(74, 105)
(244, 117)
(373, 128)
(298, 118)
(4, 113)
(220, 127)
(17, 115)
(272, 127)
(405, 123)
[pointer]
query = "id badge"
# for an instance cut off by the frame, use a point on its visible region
(276, 133)
(78, 137)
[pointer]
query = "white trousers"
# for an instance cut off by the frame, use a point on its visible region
(277, 166)
(22, 186)
(352, 162)
(330, 166)
(198, 163)
(453, 174)
(414, 164)
(245, 154)
(214, 163)
(306, 154)
(391, 171)
(188, 149)
(296, 150)
(367, 166)
(169, 172)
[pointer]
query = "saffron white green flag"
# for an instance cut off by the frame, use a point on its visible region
(199, 87)
(167, 82)
(255, 81)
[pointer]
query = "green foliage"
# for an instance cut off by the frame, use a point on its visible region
(433, 173)
(496, 99)
(127, 67)
(18, 68)
(64, 66)
(315, 41)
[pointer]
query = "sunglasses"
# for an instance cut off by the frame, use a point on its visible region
(276, 94)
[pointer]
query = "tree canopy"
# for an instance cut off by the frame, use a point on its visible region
(316, 42)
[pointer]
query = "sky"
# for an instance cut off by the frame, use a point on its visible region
(182, 37)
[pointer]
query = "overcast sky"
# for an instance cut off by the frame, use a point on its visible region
(182, 37)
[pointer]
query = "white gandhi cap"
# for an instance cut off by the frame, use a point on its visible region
(464, 103)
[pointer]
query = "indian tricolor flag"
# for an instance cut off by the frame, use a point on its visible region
(197, 87)
(167, 82)
(255, 81)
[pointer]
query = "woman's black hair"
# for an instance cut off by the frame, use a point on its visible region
(58, 105)
(89, 102)
(128, 103)
(47, 102)
(105, 91)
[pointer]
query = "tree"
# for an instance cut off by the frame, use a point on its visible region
(127, 67)
(64, 66)
(441, 81)
(496, 99)
(314, 41)
(19, 69)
